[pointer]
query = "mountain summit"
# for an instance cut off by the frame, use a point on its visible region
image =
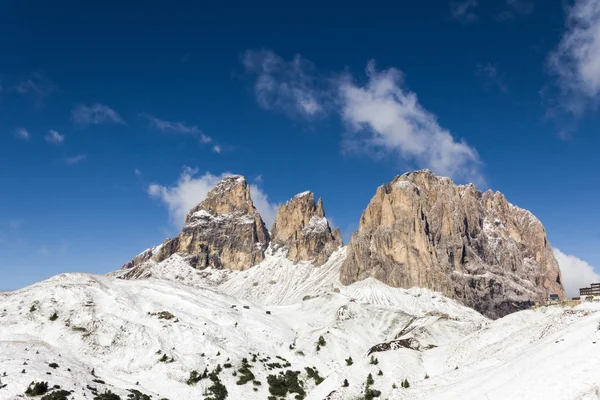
(424, 230)
(223, 231)
(301, 227)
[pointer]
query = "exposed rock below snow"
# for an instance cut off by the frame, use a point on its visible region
(301, 227)
(423, 230)
(224, 231)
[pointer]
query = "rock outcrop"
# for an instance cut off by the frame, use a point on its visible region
(423, 230)
(301, 227)
(224, 231)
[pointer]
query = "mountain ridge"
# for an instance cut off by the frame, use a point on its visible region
(418, 230)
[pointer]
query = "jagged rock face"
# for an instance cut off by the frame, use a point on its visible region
(423, 230)
(224, 231)
(301, 226)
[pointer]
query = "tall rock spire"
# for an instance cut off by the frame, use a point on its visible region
(224, 231)
(301, 227)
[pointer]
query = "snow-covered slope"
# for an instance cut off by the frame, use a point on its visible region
(149, 334)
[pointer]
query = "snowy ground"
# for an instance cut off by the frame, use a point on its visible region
(108, 334)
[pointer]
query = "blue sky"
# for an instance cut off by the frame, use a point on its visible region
(114, 118)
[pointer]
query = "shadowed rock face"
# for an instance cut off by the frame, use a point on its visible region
(301, 226)
(224, 231)
(423, 230)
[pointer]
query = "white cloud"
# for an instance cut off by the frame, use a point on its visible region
(576, 60)
(137, 172)
(287, 86)
(54, 137)
(464, 10)
(76, 159)
(180, 127)
(23, 134)
(173, 127)
(267, 210)
(95, 114)
(191, 189)
(576, 273)
(386, 117)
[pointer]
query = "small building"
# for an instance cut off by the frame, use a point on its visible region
(553, 298)
(590, 293)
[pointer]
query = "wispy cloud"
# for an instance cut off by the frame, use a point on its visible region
(576, 61)
(488, 73)
(180, 128)
(54, 137)
(192, 188)
(137, 172)
(176, 127)
(95, 114)
(76, 159)
(383, 117)
(37, 86)
(576, 273)
(287, 86)
(23, 134)
(464, 10)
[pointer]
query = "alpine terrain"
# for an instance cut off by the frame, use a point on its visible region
(440, 294)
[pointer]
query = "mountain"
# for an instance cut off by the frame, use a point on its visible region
(223, 231)
(301, 227)
(419, 230)
(424, 230)
(227, 310)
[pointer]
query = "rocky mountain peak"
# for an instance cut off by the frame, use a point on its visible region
(231, 195)
(301, 226)
(224, 231)
(424, 230)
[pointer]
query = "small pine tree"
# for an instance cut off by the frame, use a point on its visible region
(321, 341)
(370, 380)
(374, 360)
(349, 361)
(346, 384)
(53, 317)
(394, 386)
(318, 347)
(380, 373)
(405, 384)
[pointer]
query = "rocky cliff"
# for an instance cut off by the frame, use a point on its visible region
(423, 230)
(301, 227)
(223, 231)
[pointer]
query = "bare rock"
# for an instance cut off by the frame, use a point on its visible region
(224, 231)
(301, 227)
(424, 230)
